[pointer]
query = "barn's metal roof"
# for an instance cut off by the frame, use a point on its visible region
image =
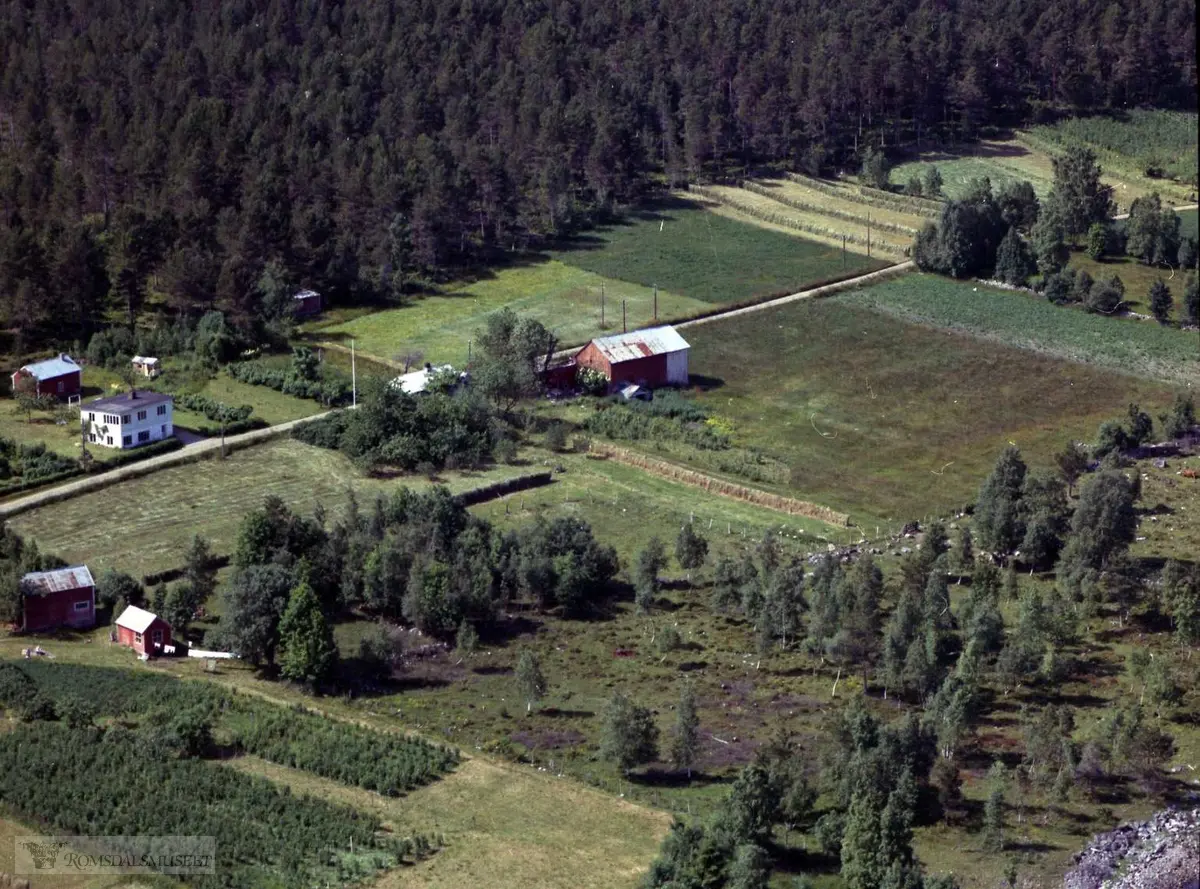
(640, 344)
(136, 619)
(42, 583)
(51, 367)
(305, 294)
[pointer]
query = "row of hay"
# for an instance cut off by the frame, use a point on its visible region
(774, 194)
(716, 486)
(502, 488)
(872, 196)
(782, 219)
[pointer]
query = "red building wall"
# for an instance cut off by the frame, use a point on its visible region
(651, 370)
(128, 638)
(58, 610)
(70, 385)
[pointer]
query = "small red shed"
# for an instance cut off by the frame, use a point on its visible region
(59, 377)
(657, 356)
(65, 597)
(144, 632)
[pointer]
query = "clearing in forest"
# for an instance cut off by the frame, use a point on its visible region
(697, 260)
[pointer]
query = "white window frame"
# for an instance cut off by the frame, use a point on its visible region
(83, 606)
(137, 637)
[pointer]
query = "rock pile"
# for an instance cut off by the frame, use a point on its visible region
(1161, 853)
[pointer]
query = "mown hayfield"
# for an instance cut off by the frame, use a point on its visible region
(564, 298)
(1137, 278)
(889, 420)
(1021, 319)
(144, 524)
(759, 208)
(505, 826)
(681, 245)
(999, 161)
(624, 505)
(841, 204)
(695, 258)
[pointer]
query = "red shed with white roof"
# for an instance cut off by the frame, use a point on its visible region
(657, 356)
(143, 631)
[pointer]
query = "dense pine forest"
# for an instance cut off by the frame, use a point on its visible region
(182, 157)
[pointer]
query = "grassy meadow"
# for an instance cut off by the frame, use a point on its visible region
(157, 514)
(1020, 319)
(1027, 157)
(888, 419)
(697, 259)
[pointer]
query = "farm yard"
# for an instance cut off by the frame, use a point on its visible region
(697, 259)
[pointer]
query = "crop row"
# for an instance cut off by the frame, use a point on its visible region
(796, 204)
(786, 221)
(872, 197)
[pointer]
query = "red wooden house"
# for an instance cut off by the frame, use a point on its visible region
(144, 632)
(65, 597)
(654, 357)
(58, 377)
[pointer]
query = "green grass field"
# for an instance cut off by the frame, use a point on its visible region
(1020, 319)
(1138, 138)
(891, 420)
(1028, 158)
(157, 514)
(696, 258)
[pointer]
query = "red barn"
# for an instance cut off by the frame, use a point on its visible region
(306, 303)
(144, 632)
(654, 357)
(65, 597)
(59, 377)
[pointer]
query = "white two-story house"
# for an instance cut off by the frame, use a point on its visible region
(129, 419)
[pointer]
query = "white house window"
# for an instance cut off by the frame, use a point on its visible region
(128, 440)
(141, 415)
(91, 417)
(164, 431)
(124, 418)
(110, 439)
(144, 435)
(137, 637)
(82, 606)
(162, 410)
(91, 436)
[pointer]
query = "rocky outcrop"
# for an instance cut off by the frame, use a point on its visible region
(1161, 853)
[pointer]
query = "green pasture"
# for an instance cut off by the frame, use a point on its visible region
(697, 260)
(1138, 139)
(999, 161)
(1034, 325)
(1137, 278)
(891, 420)
(155, 516)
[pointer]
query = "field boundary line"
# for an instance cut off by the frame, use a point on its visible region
(691, 477)
(190, 454)
(812, 293)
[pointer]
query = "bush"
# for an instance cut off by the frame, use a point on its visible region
(330, 393)
(213, 409)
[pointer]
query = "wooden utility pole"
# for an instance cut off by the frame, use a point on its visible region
(843, 252)
(868, 233)
(655, 302)
(601, 306)
(353, 377)
(624, 326)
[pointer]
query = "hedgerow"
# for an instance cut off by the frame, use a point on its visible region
(213, 409)
(331, 393)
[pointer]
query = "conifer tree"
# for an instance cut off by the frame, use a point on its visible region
(1161, 301)
(307, 652)
(997, 518)
(1015, 263)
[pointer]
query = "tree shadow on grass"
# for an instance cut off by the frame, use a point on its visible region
(662, 776)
